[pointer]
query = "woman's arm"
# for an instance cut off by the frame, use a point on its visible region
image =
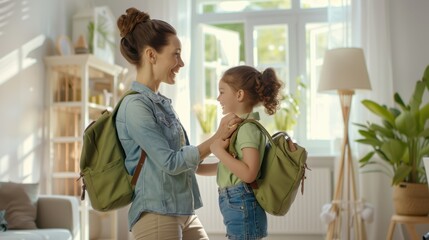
(207, 169)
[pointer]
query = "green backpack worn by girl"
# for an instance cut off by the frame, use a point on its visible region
(282, 171)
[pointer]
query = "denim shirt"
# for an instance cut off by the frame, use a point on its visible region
(167, 183)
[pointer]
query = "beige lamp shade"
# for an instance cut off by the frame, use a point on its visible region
(344, 69)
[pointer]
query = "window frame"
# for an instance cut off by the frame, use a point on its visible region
(296, 19)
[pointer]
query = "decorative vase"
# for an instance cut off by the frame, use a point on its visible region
(411, 199)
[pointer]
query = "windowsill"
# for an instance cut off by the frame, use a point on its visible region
(312, 161)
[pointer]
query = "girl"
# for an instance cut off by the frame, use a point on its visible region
(240, 90)
(166, 194)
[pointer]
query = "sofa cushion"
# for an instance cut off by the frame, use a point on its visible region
(18, 199)
(39, 234)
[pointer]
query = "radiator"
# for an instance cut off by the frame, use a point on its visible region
(302, 218)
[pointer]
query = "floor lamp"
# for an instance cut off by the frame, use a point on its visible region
(344, 70)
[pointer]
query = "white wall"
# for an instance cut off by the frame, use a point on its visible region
(27, 33)
(410, 43)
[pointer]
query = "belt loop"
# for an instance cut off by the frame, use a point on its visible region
(247, 187)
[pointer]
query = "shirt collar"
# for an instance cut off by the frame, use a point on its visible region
(252, 115)
(143, 89)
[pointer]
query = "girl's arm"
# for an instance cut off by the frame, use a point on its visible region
(207, 169)
(247, 169)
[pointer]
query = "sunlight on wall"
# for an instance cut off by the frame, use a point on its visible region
(25, 167)
(26, 163)
(5, 13)
(26, 152)
(28, 47)
(4, 166)
(11, 64)
(25, 10)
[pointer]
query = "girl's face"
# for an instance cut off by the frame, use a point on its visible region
(227, 98)
(169, 61)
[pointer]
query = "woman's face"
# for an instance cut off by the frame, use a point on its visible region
(169, 61)
(227, 98)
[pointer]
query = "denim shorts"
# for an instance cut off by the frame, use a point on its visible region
(243, 217)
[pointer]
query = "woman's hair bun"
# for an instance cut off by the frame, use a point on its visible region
(127, 22)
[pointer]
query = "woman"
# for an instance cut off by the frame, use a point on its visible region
(166, 193)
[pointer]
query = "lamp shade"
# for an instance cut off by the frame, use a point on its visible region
(344, 69)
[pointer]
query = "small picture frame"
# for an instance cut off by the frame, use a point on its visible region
(64, 46)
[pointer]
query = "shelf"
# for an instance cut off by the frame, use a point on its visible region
(80, 88)
(84, 60)
(66, 139)
(73, 175)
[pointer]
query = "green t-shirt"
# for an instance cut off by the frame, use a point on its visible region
(248, 135)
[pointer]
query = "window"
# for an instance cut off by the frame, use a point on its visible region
(290, 36)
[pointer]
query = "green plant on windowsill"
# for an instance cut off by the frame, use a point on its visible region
(402, 139)
(286, 116)
(206, 115)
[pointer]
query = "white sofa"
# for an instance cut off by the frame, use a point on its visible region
(57, 219)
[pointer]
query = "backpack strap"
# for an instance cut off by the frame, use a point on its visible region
(233, 139)
(138, 168)
(143, 153)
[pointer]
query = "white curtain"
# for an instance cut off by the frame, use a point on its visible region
(374, 36)
(366, 25)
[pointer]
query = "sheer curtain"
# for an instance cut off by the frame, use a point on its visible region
(365, 24)
(374, 36)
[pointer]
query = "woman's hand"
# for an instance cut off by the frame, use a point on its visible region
(227, 126)
(219, 144)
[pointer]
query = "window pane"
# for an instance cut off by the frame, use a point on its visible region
(271, 49)
(209, 6)
(271, 44)
(221, 51)
(211, 50)
(323, 109)
(322, 3)
(239, 29)
(211, 85)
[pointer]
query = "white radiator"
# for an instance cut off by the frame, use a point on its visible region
(302, 218)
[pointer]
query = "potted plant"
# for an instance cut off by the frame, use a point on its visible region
(286, 116)
(206, 115)
(400, 141)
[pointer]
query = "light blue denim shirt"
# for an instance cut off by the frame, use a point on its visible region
(167, 182)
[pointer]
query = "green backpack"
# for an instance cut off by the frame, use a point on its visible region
(282, 171)
(102, 164)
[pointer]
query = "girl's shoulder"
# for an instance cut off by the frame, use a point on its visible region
(249, 130)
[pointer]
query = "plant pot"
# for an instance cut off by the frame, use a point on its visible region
(411, 199)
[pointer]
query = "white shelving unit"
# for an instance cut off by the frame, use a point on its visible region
(80, 87)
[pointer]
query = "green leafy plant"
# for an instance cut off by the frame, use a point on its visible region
(206, 115)
(402, 138)
(103, 33)
(286, 116)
